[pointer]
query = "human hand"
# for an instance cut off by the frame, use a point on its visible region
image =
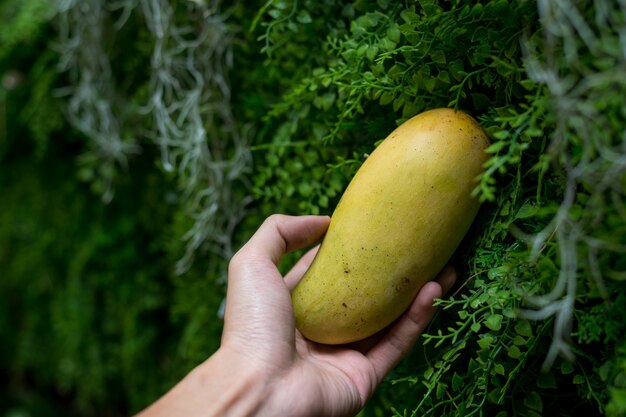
(309, 379)
(264, 366)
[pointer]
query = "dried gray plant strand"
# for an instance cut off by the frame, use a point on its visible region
(91, 96)
(575, 94)
(188, 110)
(194, 125)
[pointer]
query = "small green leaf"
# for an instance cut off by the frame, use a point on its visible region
(509, 312)
(305, 189)
(371, 52)
(456, 69)
(514, 352)
(430, 84)
(409, 15)
(495, 147)
(526, 211)
(494, 322)
(476, 10)
(578, 379)
(438, 57)
(528, 85)
(494, 396)
(472, 366)
(604, 370)
(410, 109)
(386, 98)
(395, 71)
(533, 401)
(475, 327)
(519, 340)
(498, 272)
(534, 132)
(499, 369)
(567, 367)
(441, 390)
(368, 20)
(304, 17)
(457, 382)
(465, 11)
(444, 76)
(383, 4)
(523, 328)
(393, 33)
(386, 44)
(485, 342)
(398, 103)
(324, 101)
(501, 134)
(362, 50)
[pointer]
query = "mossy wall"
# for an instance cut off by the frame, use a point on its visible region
(142, 142)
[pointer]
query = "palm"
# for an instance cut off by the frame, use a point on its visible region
(342, 378)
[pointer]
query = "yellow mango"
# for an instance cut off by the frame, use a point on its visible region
(396, 226)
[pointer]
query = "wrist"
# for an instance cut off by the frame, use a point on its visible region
(220, 386)
(228, 386)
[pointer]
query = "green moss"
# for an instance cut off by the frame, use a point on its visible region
(314, 86)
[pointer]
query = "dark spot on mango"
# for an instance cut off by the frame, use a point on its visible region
(403, 284)
(344, 305)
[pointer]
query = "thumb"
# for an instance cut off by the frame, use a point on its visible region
(255, 287)
(280, 234)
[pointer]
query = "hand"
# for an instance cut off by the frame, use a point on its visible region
(264, 366)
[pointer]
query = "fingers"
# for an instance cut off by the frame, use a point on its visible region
(257, 301)
(280, 234)
(402, 335)
(295, 274)
(252, 271)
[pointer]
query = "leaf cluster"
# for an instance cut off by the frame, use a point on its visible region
(515, 312)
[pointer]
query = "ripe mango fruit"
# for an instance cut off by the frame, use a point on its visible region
(396, 226)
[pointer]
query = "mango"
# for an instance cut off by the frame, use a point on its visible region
(396, 226)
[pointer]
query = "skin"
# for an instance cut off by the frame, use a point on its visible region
(264, 367)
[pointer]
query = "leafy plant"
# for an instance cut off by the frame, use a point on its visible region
(242, 112)
(537, 260)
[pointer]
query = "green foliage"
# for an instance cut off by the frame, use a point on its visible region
(377, 67)
(83, 306)
(90, 287)
(27, 78)
(273, 110)
(514, 315)
(162, 71)
(21, 22)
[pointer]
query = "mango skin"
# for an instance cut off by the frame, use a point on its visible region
(396, 226)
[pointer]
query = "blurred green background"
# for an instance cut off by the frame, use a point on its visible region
(143, 141)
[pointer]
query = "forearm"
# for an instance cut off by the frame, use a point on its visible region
(218, 387)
